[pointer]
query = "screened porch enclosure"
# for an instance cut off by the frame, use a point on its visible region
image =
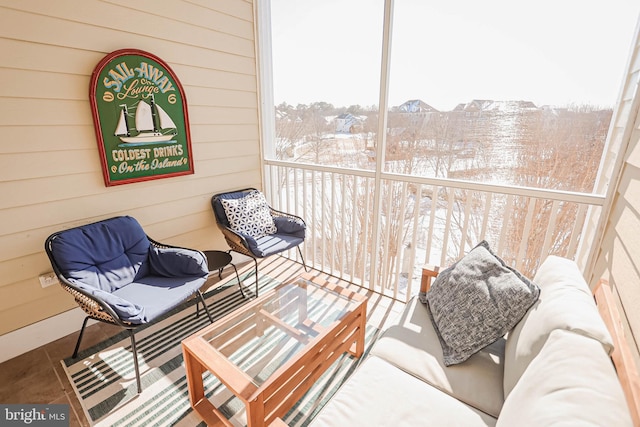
(382, 245)
(420, 169)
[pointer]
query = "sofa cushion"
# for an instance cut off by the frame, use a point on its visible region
(571, 382)
(413, 346)
(379, 394)
(476, 301)
(566, 303)
(250, 214)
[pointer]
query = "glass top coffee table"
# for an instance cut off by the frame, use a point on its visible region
(270, 352)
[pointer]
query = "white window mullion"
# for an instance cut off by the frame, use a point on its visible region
(382, 132)
(264, 70)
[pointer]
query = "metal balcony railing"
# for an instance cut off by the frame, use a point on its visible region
(419, 221)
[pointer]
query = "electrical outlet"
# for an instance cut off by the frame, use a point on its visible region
(48, 279)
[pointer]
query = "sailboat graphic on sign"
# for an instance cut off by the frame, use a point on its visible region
(151, 123)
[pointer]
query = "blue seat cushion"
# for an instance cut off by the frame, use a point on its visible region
(150, 297)
(272, 244)
(153, 296)
(147, 298)
(104, 255)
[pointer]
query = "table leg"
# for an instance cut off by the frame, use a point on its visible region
(255, 412)
(361, 334)
(357, 349)
(194, 377)
(303, 313)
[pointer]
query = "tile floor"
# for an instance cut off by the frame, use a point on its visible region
(37, 376)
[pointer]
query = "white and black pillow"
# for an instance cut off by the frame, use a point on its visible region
(476, 301)
(250, 215)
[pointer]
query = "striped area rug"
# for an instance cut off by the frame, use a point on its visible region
(103, 376)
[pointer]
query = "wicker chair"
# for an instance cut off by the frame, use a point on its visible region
(118, 275)
(289, 232)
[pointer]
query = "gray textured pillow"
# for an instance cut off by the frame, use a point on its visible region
(476, 301)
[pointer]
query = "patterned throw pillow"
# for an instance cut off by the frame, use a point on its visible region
(250, 215)
(476, 301)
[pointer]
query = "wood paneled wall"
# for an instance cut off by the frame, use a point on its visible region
(618, 257)
(50, 173)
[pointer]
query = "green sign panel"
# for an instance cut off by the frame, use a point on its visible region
(140, 115)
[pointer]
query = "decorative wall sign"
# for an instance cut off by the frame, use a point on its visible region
(140, 115)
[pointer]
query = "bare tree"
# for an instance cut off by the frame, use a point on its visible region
(560, 150)
(515, 143)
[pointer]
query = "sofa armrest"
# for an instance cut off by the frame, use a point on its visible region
(428, 273)
(621, 355)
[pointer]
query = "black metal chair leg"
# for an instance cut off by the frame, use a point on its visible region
(239, 283)
(304, 264)
(204, 304)
(135, 360)
(84, 323)
(255, 261)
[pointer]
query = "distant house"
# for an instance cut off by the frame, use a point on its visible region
(527, 104)
(416, 106)
(414, 112)
(346, 123)
(478, 106)
(474, 107)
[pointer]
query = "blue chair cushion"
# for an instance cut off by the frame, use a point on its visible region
(114, 261)
(153, 296)
(126, 310)
(272, 244)
(105, 255)
(177, 262)
(148, 298)
(291, 226)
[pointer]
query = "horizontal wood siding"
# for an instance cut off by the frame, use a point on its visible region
(619, 255)
(50, 172)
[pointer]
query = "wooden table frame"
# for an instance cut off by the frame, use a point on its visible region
(275, 397)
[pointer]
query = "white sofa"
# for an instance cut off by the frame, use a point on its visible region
(553, 368)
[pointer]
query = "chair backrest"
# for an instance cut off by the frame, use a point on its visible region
(218, 209)
(106, 255)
